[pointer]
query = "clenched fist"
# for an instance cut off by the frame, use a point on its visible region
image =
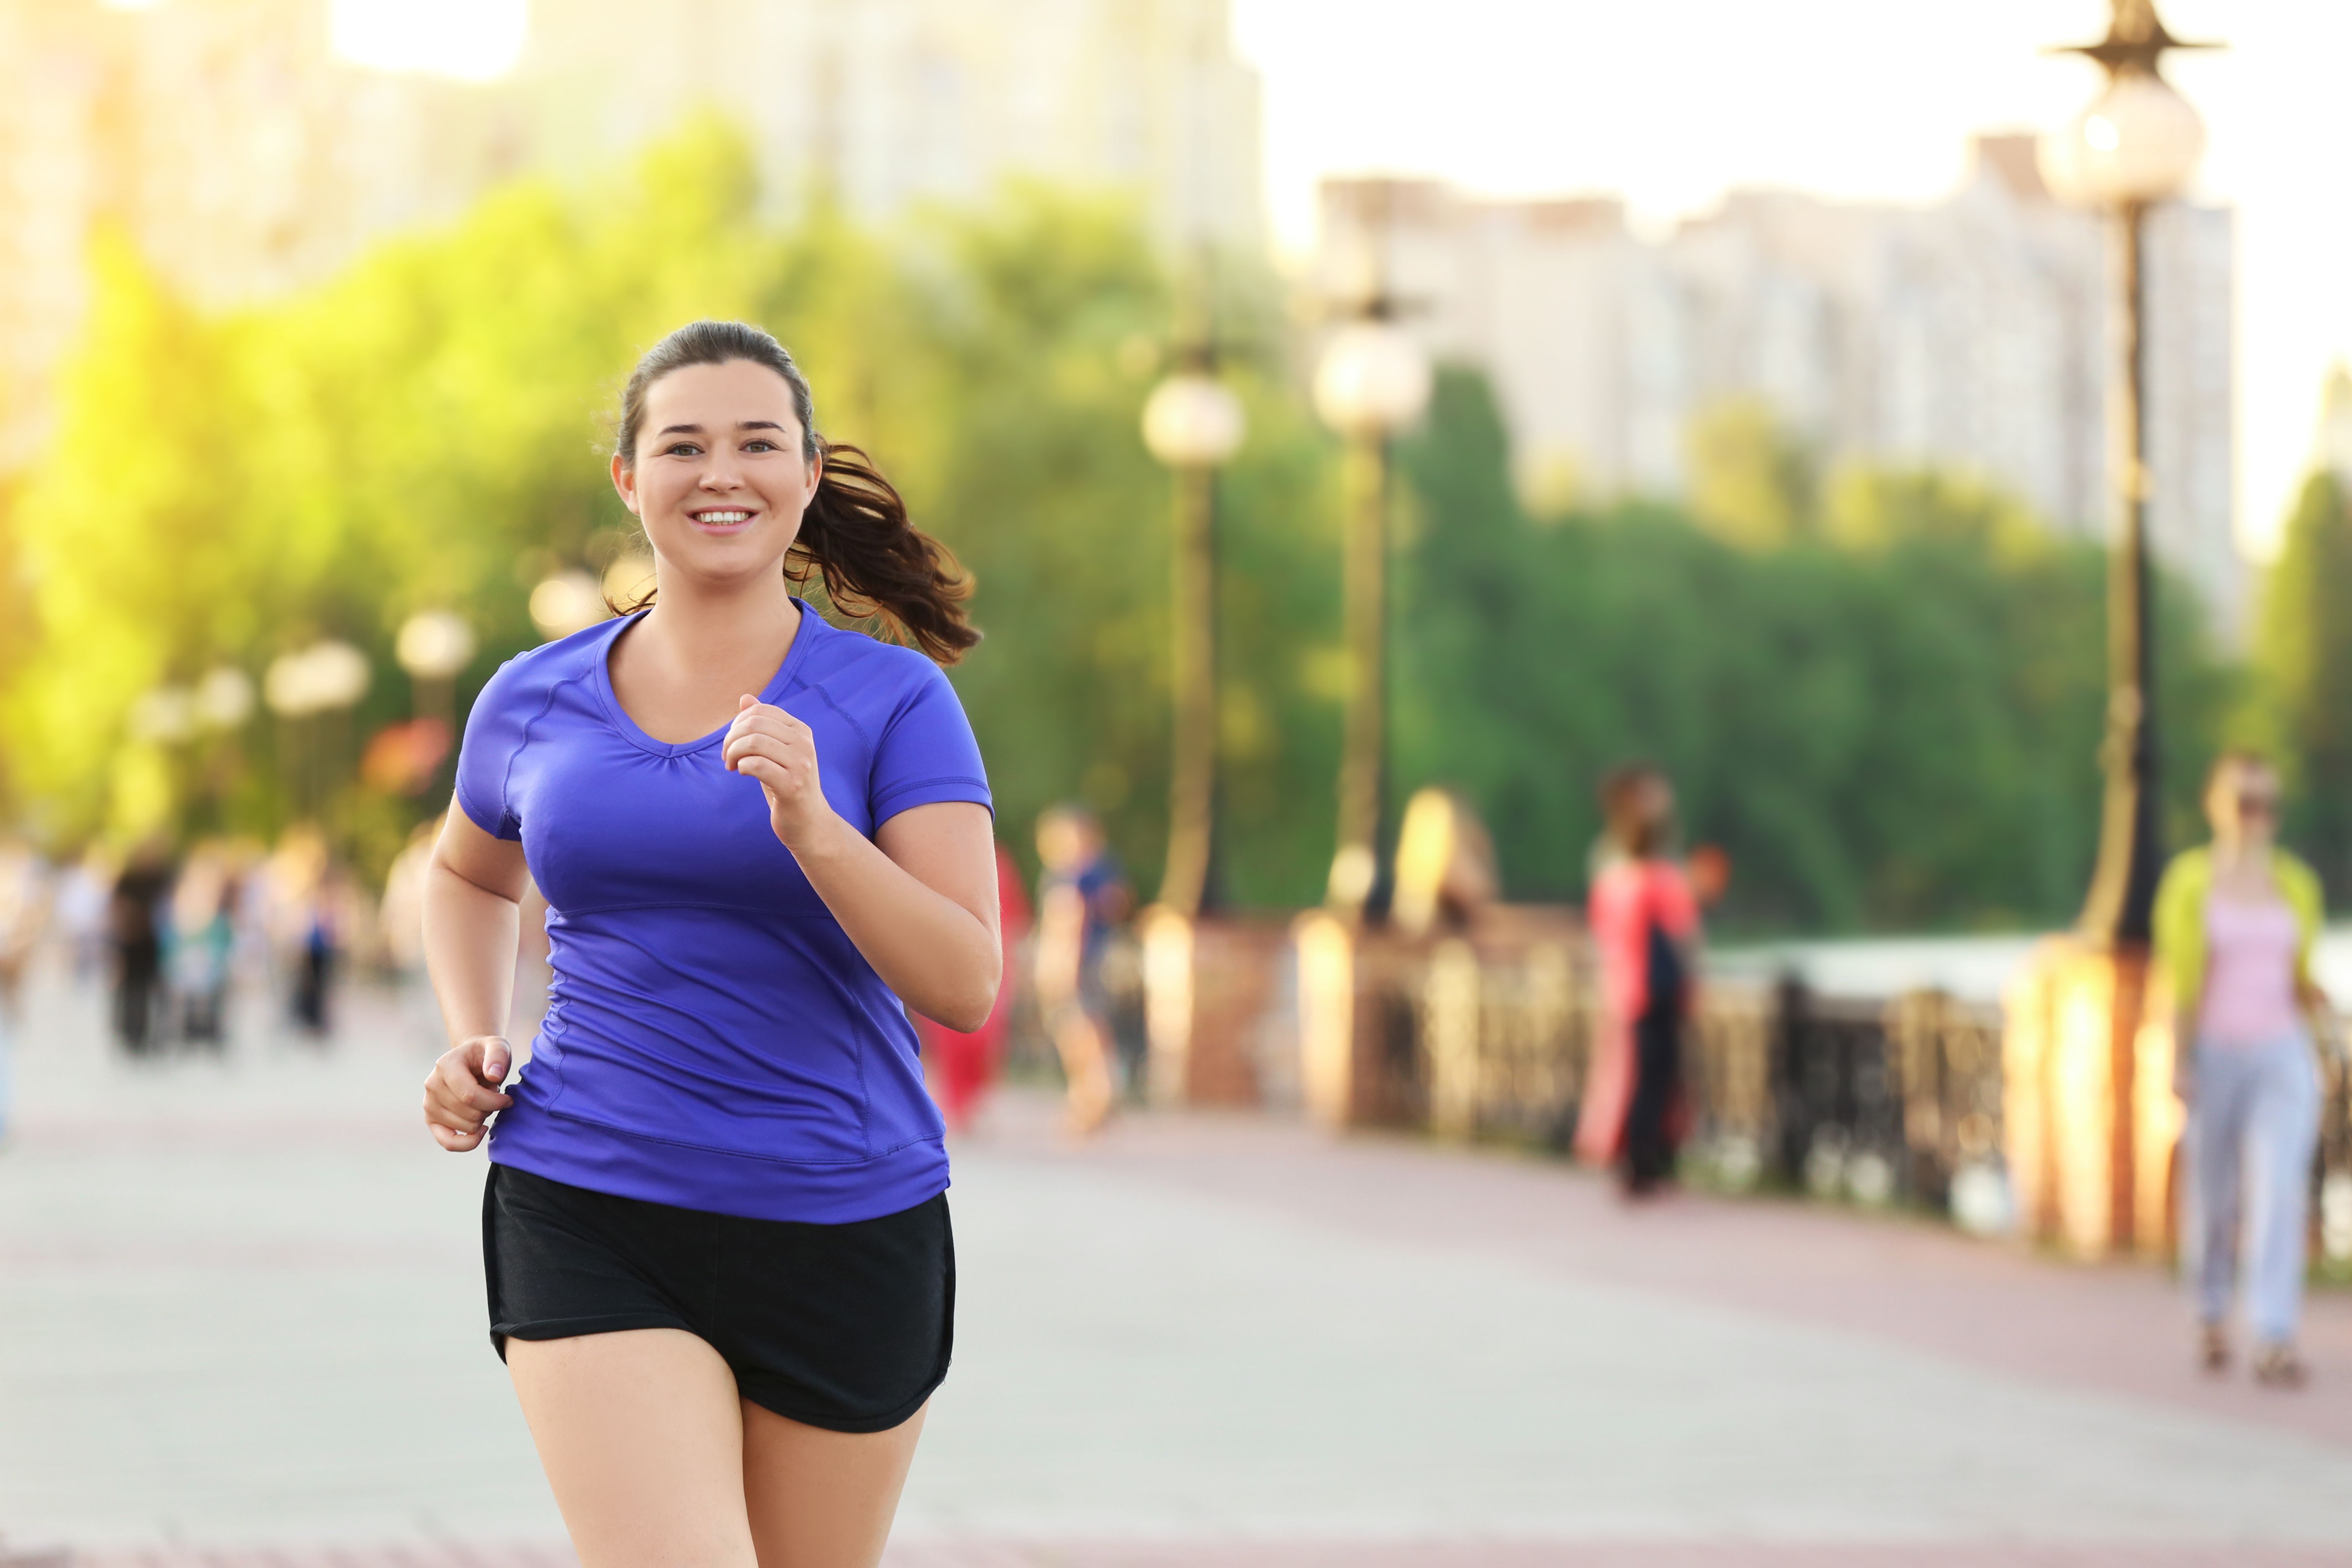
(768, 744)
(463, 1089)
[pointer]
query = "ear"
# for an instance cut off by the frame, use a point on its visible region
(625, 482)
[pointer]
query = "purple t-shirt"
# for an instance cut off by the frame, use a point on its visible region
(713, 1039)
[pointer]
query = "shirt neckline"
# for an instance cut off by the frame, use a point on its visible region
(812, 625)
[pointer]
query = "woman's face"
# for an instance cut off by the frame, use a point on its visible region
(2243, 804)
(719, 482)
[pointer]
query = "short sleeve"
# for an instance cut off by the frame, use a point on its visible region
(495, 731)
(927, 752)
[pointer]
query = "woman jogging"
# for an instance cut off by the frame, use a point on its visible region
(715, 1229)
(2234, 925)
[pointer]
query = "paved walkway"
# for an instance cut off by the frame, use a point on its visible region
(240, 1324)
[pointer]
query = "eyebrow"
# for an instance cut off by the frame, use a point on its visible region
(697, 429)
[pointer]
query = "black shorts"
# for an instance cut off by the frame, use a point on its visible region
(846, 1327)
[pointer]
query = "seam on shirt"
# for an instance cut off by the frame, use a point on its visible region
(636, 1136)
(873, 742)
(505, 779)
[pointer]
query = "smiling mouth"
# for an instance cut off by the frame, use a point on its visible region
(730, 517)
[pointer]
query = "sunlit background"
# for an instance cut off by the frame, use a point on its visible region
(1639, 101)
(1370, 427)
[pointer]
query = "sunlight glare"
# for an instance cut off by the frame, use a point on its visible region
(473, 40)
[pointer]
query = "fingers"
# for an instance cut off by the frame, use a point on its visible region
(783, 751)
(755, 717)
(767, 771)
(461, 1093)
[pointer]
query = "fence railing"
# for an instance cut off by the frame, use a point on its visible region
(1488, 1034)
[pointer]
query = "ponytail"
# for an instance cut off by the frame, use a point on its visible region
(875, 564)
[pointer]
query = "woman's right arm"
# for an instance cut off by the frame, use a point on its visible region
(473, 898)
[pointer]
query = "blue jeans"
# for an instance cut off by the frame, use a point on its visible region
(2254, 1127)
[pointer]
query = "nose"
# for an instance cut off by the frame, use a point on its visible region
(719, 473)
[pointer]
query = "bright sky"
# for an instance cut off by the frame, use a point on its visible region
(474, 40)
(1670, 102)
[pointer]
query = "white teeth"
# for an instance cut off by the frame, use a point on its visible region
(722, 516)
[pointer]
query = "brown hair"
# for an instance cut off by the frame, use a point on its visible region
(2238, 757)
(1631, 827)
(855, 534)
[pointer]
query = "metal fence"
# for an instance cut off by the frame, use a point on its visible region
(1877, 1102)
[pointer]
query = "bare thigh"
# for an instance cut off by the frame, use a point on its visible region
(641, 1433)
(819, 1498)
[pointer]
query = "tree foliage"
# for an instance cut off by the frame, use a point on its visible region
(1881, 693)
(1896, 729)
(2303, 658)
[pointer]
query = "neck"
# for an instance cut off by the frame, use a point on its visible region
(709, 626)
(2235, 850)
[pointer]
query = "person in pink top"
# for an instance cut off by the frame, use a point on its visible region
(1645, 933)
(2234, 926)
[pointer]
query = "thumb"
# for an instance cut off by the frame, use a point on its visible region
(748, 702)
(496, 1058)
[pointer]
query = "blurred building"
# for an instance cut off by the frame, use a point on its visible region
(1970, 334)
(243, 158)
(888, 103)
(224, 139)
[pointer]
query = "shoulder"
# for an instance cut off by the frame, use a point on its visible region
(2297, 881)
(530, 677)
(872, 681)
(2186, 871)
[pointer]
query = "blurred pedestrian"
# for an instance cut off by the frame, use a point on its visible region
(303, 897)
(1082, 897)
(84, 893)
(199, 939)
(1645, 936)
(24, 894)
(964, 1063)
(719, 1261)
(134, 912)
(2235, 922)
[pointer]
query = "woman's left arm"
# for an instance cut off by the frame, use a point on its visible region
(918, 899)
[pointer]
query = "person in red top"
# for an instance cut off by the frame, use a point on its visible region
(1644, 916)
(963, 1065)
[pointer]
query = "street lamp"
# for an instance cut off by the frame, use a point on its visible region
(1194, 425)
(566, 602)
(2134, 146)
(431, 647)
(325, 677)
(2090, 1127)
(1373, 381)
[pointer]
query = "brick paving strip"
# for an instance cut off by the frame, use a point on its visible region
(242, 1306)
(1263, 1554)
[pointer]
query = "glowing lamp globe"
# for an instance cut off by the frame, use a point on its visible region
(433, 644)
(1373, 381)
(164, 715)
(1192, 422)
(566, 602)
(2138, 142)
(315, 679)
(224, 698)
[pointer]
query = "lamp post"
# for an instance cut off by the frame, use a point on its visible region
(325, 677)
(2089, 1122)
(431, 647)
(1373, 381)
(2134, 147)
(1194, 425)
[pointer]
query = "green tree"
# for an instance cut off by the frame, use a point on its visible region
(2303, 657)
